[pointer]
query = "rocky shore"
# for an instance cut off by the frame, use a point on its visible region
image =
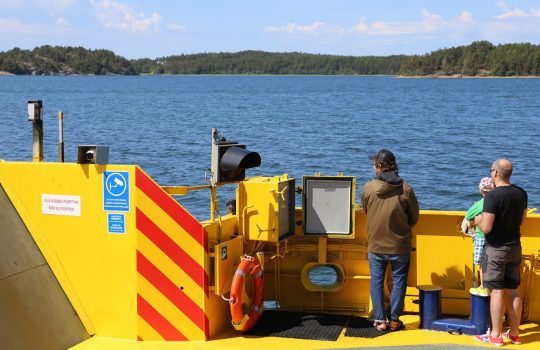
(463, 76)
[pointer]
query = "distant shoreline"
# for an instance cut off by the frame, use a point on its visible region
(463, 76)
(428, 76)
(480, 59)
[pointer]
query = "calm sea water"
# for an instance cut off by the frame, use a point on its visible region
(444, 132)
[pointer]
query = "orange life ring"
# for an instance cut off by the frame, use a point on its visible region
(248, 266)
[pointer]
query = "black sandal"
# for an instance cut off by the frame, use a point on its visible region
(396, 325)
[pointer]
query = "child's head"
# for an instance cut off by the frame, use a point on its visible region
(486, 185)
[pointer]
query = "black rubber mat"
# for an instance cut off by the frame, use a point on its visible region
(299, 325)
(363, 328)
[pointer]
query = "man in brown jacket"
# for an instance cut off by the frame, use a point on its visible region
(392, 210)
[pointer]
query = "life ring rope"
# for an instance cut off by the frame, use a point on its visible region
(249, 267)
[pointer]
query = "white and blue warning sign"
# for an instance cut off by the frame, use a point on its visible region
(116, 191)
(116, 223)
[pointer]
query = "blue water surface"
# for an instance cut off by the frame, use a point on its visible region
(444, 132)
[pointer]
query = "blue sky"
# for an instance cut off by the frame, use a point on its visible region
(136, 29)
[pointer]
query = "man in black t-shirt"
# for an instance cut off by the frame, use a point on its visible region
(505, 208)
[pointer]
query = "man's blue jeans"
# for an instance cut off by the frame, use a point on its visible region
(400, 271)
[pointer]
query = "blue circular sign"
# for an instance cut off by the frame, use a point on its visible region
(116, 184)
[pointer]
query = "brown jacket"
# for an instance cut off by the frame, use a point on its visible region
(392, 210)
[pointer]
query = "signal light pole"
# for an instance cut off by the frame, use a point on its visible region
(35, 115)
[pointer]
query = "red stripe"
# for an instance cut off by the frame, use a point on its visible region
(157, 322)
(172, 292)
(172, 250)
(171, 207)
(139, 338)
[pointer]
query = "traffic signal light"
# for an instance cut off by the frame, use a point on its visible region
(230, 159)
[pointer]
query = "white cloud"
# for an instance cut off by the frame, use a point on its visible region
(64, 3)
(503, 5)
(314, 28)
(61, 21)
(429, 23)
(514, 24)
(518, 13)
(465, 17)
(11, 4)
(15, 26)
(56, 4)
(177, 27)
(46, 4)
(461, 23)
(114, 14)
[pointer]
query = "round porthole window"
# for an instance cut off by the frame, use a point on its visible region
(322, 277)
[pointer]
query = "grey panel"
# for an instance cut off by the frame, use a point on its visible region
(328, 206)
(35, 312)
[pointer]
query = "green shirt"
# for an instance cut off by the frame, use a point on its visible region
(474, 211)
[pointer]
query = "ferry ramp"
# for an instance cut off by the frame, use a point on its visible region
(77, 263)
(32, 303)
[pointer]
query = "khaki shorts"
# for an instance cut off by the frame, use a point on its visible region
(501, 267)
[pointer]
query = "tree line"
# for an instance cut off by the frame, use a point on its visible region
(481, 58)
(260, 62)
(57, 60)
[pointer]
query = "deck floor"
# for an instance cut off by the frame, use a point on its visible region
(411, 338)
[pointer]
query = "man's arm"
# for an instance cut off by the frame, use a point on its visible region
(364, 200)
(485, 221)
(524, 216)
(413, 209)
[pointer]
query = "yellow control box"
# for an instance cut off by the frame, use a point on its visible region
(265, 208)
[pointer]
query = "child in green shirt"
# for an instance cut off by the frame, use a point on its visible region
(486, 185)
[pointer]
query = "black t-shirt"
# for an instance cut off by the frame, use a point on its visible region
(508, 204)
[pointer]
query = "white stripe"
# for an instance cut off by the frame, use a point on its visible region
(241, 273)
(258, 274)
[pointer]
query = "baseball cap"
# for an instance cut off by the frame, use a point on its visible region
(384, 156)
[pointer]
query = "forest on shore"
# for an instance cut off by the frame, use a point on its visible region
(479, 59)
